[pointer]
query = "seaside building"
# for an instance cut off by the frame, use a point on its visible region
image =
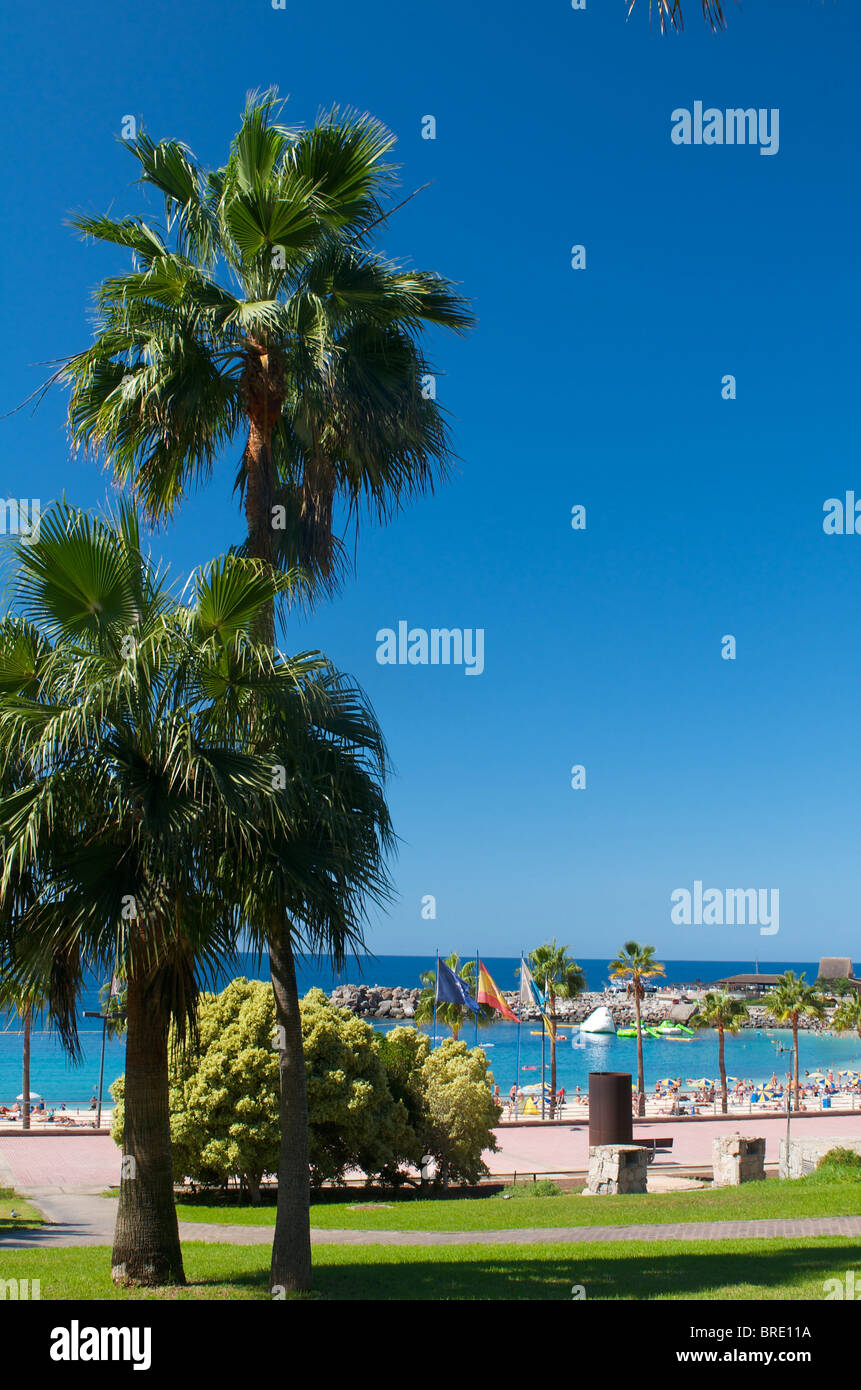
(753, 985)
(830, 968)
(837, 968)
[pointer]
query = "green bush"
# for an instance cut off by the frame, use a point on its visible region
(375, 1103)
(543, 1187)
(447, 1093)
(840, 1163)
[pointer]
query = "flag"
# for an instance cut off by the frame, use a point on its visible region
(529, 991)
(451, 989)
(490, 995)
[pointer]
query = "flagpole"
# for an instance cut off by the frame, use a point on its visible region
(435, 993)
(543, 1035)
(519, 1021)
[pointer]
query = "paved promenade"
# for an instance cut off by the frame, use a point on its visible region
(564, 1148)
(60, 1163)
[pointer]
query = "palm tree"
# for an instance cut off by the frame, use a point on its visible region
(847, 1015)
(636, 963)
(452, 1016)
(19, 890)
(670, 14)
(720, 1011)
(558, 977)
(261, 313)
(791, 1000)
(153, 803)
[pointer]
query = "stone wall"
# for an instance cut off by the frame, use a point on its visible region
(804, 1154)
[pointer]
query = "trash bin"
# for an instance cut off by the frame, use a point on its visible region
(826, 1102)
(610, 1112)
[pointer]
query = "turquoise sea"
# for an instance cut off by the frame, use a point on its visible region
(751, 1055)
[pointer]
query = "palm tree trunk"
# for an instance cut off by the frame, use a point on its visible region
(291, 1245)
(722, 1070)
(25, 1078)
(146, 1240)
(794, 1100)
(641, 1096)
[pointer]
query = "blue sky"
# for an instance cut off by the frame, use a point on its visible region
(600, 387)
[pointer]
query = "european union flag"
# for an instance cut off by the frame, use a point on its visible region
(451, 989)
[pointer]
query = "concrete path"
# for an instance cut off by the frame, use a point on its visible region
(86, 1219)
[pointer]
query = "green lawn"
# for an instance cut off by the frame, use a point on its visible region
(666, 1270)
(25, 1213)
(772, 1198)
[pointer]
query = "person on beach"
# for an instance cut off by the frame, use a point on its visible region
(512, 1101)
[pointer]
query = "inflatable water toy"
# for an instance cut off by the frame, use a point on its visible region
(599, 1021)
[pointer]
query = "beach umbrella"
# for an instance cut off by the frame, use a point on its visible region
(34, 1095)
(700, 1081)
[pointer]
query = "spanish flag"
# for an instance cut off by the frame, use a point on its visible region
(490, 995)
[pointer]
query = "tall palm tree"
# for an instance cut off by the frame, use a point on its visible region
(452, 1016)
(791, 1000)
(152, 741)
(720, 1011)
(558, 977)
(636, 963)
(261, 314)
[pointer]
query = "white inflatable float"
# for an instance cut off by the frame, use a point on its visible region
(599, 1021)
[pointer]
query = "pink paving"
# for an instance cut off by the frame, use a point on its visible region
(560, 1148)
(64, 1164)
(69, 1164)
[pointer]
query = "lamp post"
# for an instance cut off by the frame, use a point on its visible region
(106, 1019)
(90, 1013)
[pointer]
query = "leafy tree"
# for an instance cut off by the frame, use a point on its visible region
(448, 1095)
(720, 1011)
(636, 963)
(354, 1121)
(260, 313)
(558, 977)
(224, 1094)
(452, 1016)
(791, 1000)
